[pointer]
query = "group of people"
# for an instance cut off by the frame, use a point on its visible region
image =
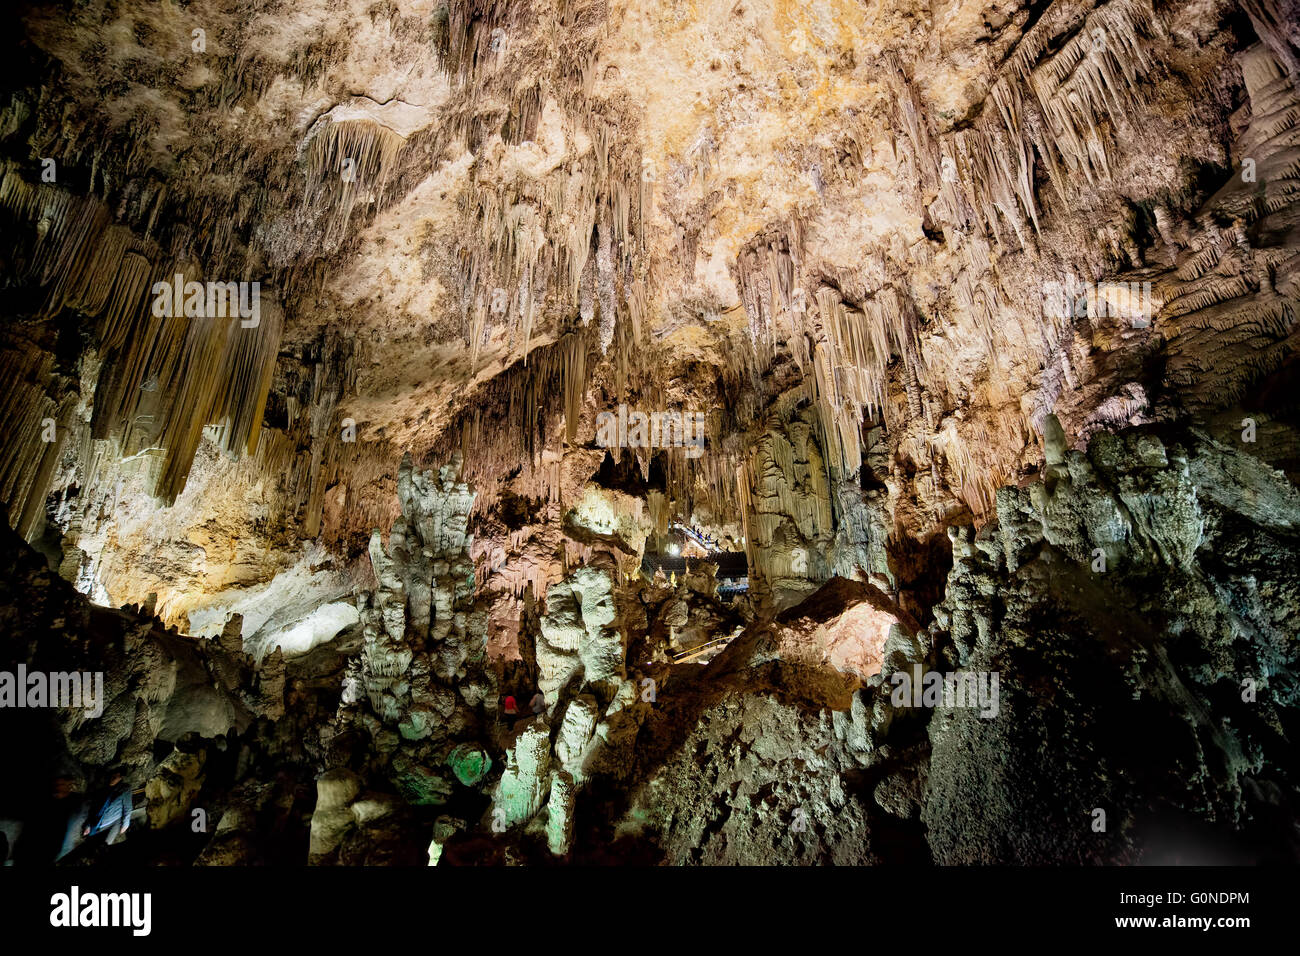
(510, 707)
(70, 820)
(702, 538)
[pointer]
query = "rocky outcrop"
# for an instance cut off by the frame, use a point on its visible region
(1133, 602)
(1132, 605)
(578, 642)
(420, 693)
(345, 381)
(588, 713)
(142, 688)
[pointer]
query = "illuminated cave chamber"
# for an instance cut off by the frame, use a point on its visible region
(634, 393)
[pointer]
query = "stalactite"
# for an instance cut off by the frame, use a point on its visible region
(785, 500)
(164, 379)
(562, 240)
(1228, 322)
(36, 420)
(506, 425)
(346, 162)
(1282, 37)
(524, 114)
(1084, 72)
(463, 36)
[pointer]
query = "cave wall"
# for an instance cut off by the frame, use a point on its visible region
(971, 301)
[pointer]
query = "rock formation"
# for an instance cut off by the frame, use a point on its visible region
(501, 431)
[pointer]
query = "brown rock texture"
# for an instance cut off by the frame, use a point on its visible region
(519, 430)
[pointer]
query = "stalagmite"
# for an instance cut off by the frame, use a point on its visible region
(553, 427)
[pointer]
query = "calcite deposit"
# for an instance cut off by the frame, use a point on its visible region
(515, 431)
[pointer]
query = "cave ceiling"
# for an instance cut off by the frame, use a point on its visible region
(337, 321)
